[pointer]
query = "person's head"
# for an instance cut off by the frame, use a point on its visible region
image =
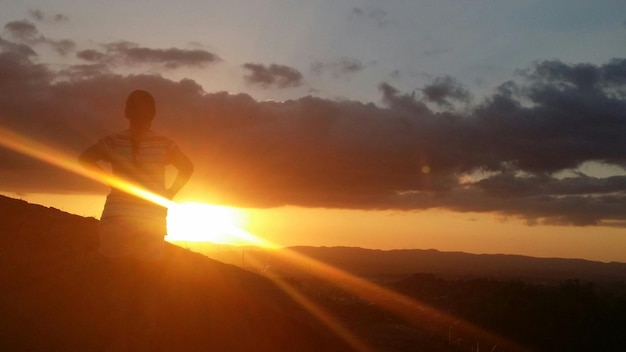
(140, 108)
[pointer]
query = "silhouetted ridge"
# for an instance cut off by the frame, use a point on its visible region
(57, 294)
(368, 262)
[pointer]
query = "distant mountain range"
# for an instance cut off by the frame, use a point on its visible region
(402, 262)
(409, 261)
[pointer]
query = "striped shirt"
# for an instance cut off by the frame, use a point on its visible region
(144, 166)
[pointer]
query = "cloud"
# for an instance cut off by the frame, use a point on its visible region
(501, 155)
(63, 47)
(128, 53)
(279, 76)
(27, 33)
(41, 16)
(77, 72)
(12, 47)
(37, 14)
(22, 30)
(583, 77)
(341, 67)
(171, 58)
(444, 90)
(91, 55)
(508, 185)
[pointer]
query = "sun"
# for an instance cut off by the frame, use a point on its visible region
(201, 222)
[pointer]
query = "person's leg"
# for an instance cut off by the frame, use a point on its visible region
(116, 237)
(148, 245)
(147, 289)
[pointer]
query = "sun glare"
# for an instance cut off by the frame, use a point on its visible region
(201, 222)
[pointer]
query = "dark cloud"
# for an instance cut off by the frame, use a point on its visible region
(510, 185)
(39, 15)
(63, 47)
(274, 75)
(27, 33)
(132, 53)
(91, 55)
(22, 30)
(19, 49)
(341, 67)
(398, 101)
(502, 155)
(444, 90)
(583, 77)
(127, 53)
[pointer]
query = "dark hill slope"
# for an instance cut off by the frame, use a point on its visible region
(57, 294)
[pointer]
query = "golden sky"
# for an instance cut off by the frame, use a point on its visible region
(431, 229)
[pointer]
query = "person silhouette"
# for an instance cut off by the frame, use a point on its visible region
(131, 226)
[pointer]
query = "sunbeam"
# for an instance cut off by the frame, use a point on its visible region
(66, 161)
(320, 314)
(414, 312)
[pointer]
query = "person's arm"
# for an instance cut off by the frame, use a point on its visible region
(90, 157)
(185, 168)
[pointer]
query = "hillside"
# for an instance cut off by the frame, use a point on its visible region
(57, 295)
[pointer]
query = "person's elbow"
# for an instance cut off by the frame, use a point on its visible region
(89, 158)
(183, 164)
(85, 160)
(187, 169)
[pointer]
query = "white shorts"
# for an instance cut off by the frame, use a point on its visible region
(125, 236)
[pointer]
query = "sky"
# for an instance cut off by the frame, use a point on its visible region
(477, 126)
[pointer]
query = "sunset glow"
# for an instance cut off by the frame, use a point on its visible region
(201, 222)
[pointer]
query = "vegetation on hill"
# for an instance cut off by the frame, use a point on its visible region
(568, 316)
